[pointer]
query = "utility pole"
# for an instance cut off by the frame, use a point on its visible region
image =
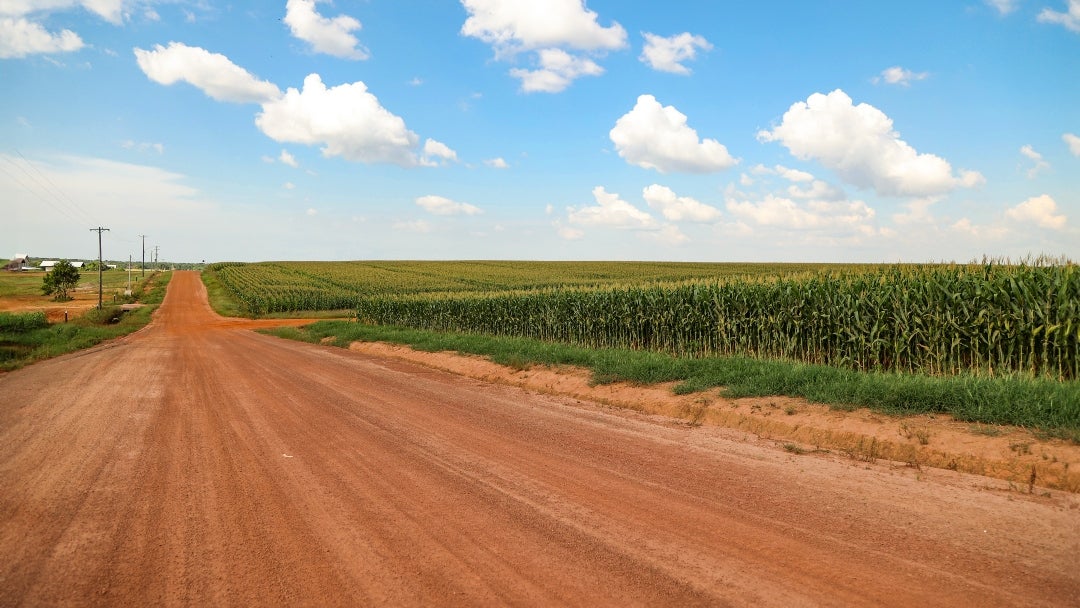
(129, 276)
(143, 236)
(99, 230)
(155, 255)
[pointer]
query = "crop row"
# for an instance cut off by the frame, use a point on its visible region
(936, 319)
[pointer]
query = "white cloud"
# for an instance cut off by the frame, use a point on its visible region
(329, 36)
(1039, 210)
(497, 163)
(859, 143)
(418, 226)
(567, 232)
(657, 137)
(775, 211)
(793, 175)
(312, 212)
(1035, 157)
(436, 151)
(289, 186)
(212, 73)
(438, 205)
(511, 26)
(347, 120)
(1070, 19)
(19, 38)
(558, 69)
(610, 211)
(668, 234)
(549, 28)
(1073, 142)
(667, 54)
(983, 232)
(679, 208)
(1003, 7)
(112, 11)
(901, 76)
(143, 146)
(288, 159)
(817, 190)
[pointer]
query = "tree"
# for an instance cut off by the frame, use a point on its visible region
(59, 280)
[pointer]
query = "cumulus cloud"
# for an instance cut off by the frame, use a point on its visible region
(1069, 19)
(212, 73)
(497, 163)
(288, 159)
(143, 146)
(667, 54)
(668, 234)
(781, 212)
(1036, 158)
(112, 11)
(860, 144)
(347, 120)
(549, 28)
(1039, 210)
(417, 226)
(436, 153)
(329, 36)
(901, 76)
(679, 208)
(511, 26)
(1073, 142)
(20, 37)
(558, 69)
(438, 205)
(658, 137)
(568, 233)
(1003, 7)
(610, 211)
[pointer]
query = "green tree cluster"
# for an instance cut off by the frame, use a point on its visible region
(59, 280)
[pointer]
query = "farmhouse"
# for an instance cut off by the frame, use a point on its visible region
(47, 265)
(21, 261)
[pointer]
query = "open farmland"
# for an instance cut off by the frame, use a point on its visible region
(935, 319)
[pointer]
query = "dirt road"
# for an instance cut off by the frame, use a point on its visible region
(199, 463)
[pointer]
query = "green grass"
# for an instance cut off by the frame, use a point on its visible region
(1052, 407)
(20, 348)
(221, 298)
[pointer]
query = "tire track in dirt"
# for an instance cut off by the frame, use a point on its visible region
(198, 463)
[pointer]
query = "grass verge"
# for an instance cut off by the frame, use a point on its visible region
(221, 299)
(1051, 407)
(20, 348)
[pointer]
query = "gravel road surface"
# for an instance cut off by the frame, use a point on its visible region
(197, 462)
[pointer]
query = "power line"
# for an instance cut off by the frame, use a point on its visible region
(51, 189)
(38, 194)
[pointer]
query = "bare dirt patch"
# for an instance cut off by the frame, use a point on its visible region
(1011, 454)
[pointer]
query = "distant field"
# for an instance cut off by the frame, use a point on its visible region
(269, 287)
(990, 319)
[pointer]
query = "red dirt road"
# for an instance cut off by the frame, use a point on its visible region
(199, 463)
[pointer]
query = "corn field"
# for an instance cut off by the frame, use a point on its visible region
(936, 319)
(989, 318)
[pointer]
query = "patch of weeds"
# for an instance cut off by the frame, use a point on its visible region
(794, 449)
(1021, 447)
(920, 435)
(790, 410)
(989, 431)
(694, 413)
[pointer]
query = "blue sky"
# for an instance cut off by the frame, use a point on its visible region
(513, 129)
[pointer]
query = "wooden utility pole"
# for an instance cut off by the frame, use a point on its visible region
(143, 255)
(99, 230)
